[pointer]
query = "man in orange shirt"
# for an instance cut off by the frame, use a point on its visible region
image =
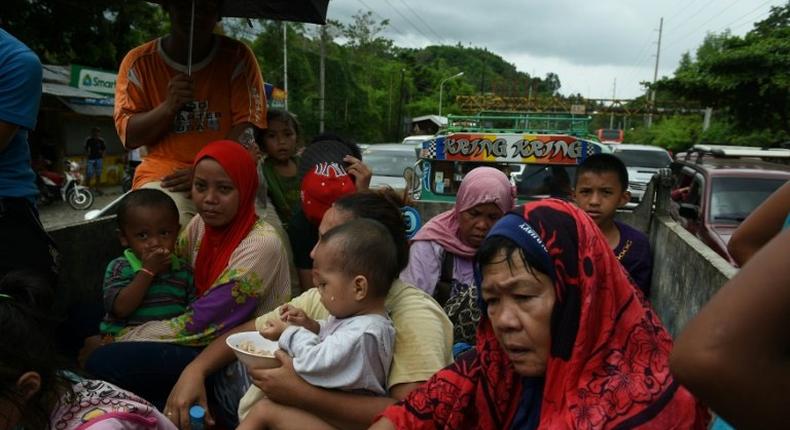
(174, 115)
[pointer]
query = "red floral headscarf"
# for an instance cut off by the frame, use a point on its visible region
(609, 361)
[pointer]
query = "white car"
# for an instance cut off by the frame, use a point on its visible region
(642, 162)
(417, 139)
(387, 161)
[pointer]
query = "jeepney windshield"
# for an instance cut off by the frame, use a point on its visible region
(540, 180)
(531, 180)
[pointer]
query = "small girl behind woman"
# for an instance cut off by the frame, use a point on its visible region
(280, 165)
(36, 392)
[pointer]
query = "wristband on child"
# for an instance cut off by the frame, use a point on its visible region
(147, 272)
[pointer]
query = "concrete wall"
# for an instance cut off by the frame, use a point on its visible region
(686, 273)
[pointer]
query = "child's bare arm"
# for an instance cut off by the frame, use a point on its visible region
(131, 296)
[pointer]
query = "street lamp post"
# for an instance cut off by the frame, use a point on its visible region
(441, 88)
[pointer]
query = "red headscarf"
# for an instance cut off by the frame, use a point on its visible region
(218, 243)
(609, 361)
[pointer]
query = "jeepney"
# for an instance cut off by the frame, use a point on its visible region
(538, 152)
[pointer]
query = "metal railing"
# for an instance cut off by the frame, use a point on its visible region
(508, 122)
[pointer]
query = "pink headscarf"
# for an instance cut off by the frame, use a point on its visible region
(481, 185)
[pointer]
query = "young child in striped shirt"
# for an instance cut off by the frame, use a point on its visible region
(148, 282)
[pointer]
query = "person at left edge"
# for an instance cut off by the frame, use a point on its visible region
(23, 242)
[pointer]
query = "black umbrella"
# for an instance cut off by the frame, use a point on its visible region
(312, 11)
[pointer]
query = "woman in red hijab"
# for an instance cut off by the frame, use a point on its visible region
(564, 341)
(239, 264)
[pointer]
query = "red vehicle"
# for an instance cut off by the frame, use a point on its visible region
(716, 189)
(609, 135)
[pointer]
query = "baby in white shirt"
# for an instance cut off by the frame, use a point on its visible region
(353, 268)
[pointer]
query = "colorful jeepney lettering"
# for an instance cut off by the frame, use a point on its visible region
(476, 146)
(509, 147)
(551, 149)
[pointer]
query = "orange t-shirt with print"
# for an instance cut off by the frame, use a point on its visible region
(228, 90)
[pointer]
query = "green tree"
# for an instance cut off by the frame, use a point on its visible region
(746, 77)
(97, 34)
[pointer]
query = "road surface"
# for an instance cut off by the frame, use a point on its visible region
(59, 213)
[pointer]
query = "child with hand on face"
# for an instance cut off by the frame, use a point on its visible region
(354, 266)
(602, 188)
(148, 282)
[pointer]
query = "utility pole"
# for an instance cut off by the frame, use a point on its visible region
(706, 119)
(483, 77)
(529, 94)
(285, 62)
(611, 114)
(400, 105)
(655, 75)
(322, 79)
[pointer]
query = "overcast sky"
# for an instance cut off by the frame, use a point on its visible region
(587, 43)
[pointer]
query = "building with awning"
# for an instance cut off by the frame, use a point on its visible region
(67, 114)
(76, 99)
(58, 81)
(80, 101)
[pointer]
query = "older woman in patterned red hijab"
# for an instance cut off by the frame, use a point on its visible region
(564, 342)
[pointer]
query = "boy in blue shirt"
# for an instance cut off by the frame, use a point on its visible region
(23, 242)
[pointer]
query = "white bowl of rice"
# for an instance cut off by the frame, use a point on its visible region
(254, 350)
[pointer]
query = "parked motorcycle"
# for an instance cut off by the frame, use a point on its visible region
(128, 175)
(64, 186)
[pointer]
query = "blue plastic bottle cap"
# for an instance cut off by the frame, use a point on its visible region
(197, 412)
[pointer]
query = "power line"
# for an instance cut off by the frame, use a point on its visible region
(755, 20)
(639, 60)
(684, 7)
(405, 18)
(692, 16)
(428, 26)
(384, 18)
(701, 26)
(745, 15)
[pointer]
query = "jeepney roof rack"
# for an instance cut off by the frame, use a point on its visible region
(731, 151)
(514, 122)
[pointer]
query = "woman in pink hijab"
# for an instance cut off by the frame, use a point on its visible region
(441, 254)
